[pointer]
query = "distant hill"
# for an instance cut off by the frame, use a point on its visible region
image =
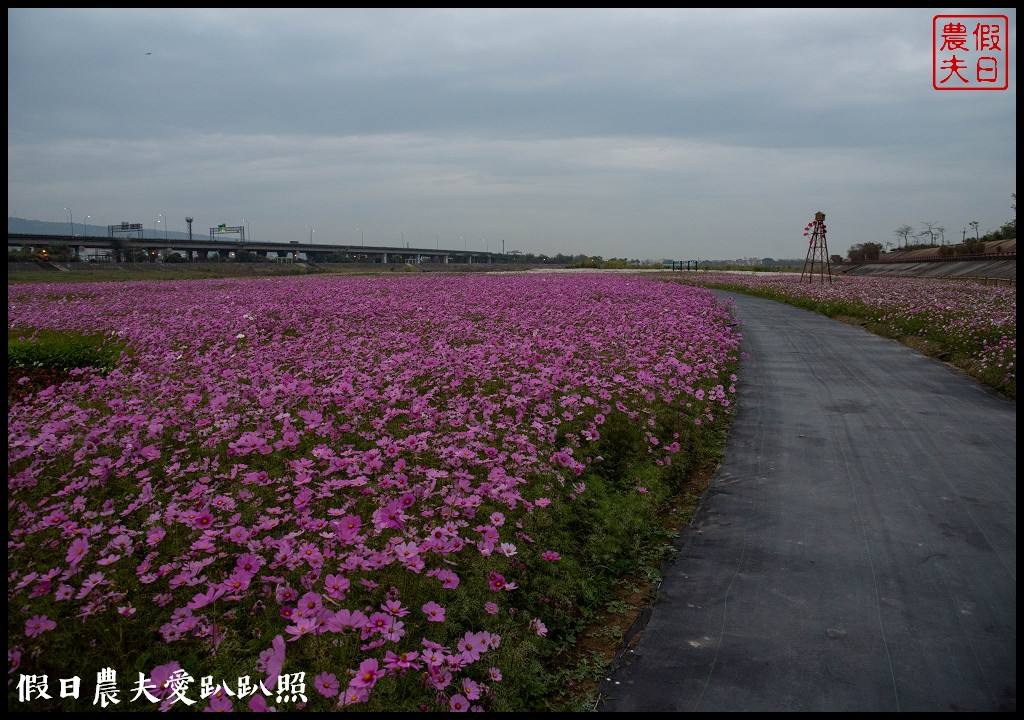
(40, 227)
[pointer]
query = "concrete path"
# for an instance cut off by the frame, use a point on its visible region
(857, 549)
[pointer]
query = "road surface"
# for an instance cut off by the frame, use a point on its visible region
(856, 550)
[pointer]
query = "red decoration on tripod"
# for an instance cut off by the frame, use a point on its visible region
(817, 250)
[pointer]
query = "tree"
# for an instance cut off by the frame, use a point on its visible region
(119, 248)
(974, 224)
(904, 231)
(929, 230)
(864, 252)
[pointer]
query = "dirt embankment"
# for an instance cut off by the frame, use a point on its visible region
(988, 247)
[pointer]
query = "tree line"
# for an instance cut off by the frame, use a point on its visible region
(932, 234)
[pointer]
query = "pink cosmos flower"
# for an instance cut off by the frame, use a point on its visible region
(203, 520)
(343, 620)
(37, 625)
(219, 702)
(249, 563)
(449, 580)
(258, 703)
(459, 703)
(394, 631)
(401, 662)
(394, 607)
(327, 684)
(551, 556)
(286, 593)
(273, 659)
(471, 645)
(237, 582)
(95, 579)
(201, 600)
(434, 612)
(471, 688)
(79, 547)
(309, 604)
(161, 676)
(368, 674)
(336, 586)
(154, 535)
(150, 452)
(355, 694)
(302, 626)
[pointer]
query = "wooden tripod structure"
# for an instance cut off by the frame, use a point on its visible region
(817, 251)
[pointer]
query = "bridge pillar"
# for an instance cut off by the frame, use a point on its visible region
(384, 257)
(224, 255)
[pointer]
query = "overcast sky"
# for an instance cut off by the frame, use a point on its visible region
(658, 133)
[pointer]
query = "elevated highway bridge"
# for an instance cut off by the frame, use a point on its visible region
(204, 249)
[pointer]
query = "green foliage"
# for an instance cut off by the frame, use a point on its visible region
(57, 254)
(24, 255)
(615, 264)
(864, 251)
(60, 350)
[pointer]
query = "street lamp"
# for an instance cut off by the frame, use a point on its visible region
(161, 218)
(85, 225)
(437, 242)
(464, 244)
(72, 218)
(401, 239)
(245, 223)
(487, 245)
(310, 233)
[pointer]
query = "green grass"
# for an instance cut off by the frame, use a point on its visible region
(60, 350)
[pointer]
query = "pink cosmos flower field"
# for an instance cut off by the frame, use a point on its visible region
(327, 492)
(965, 322)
